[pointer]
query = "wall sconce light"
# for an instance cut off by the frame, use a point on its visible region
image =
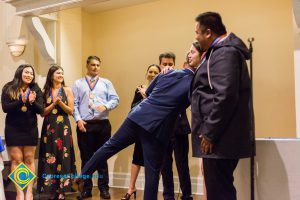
(17, 47)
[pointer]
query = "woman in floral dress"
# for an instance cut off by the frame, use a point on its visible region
(56, 157)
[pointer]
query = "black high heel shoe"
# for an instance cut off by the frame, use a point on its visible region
(127, 196)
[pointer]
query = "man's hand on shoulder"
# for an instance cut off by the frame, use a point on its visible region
(166, 70)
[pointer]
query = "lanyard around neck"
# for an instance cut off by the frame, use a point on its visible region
(91, 85)
(27, 93)
(216, 41)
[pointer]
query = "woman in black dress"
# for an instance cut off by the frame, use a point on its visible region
(138, 160)
(56, 147)
(22, 100)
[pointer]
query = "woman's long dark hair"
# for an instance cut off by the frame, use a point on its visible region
(197, 46)
(49, 81)
(12, 88)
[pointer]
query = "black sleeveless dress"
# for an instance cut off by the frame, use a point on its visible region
(56, 165)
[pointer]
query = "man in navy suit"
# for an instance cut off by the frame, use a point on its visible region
(179, 144)
(151, 122)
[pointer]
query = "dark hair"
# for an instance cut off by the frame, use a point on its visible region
(154, 65)
(212, 21)
(187, 57)
(49, 81)
(13, 87)
(92, 58)
(167, 55)
(197, 46)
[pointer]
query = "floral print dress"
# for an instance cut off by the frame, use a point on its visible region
(56, 165)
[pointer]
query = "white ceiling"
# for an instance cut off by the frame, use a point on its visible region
(112, 4)
(39, 7)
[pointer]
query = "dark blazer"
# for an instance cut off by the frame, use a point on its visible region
(221, 110)
(167, 96)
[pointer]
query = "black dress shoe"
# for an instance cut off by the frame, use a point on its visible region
(84, 195)
(104, 194)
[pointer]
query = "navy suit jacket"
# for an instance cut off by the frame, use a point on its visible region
(168, 95)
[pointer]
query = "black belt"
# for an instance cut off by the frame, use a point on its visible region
(96, 121)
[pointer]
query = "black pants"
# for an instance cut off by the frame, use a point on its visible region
(219, 179)
(98, 132)
(153, 152)
(180, 145)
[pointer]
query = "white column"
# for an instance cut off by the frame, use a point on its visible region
(297, 73)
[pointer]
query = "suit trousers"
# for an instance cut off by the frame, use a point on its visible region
(219, 178)
(153, 151)
(180, 145)
(98, 132)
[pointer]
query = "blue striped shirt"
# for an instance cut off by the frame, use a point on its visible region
(104, 94)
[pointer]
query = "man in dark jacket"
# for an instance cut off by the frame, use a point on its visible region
(221, 111)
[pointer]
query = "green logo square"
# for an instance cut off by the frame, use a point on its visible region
(22, 176)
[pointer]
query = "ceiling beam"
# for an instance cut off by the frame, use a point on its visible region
(35, 8)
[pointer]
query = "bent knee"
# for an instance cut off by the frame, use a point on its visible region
(29, 159)
(16, 161)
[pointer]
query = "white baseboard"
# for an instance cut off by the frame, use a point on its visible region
(121, 180)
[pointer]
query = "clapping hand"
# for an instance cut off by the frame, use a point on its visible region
(32, 97)
(57, 100)
(142, 91)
